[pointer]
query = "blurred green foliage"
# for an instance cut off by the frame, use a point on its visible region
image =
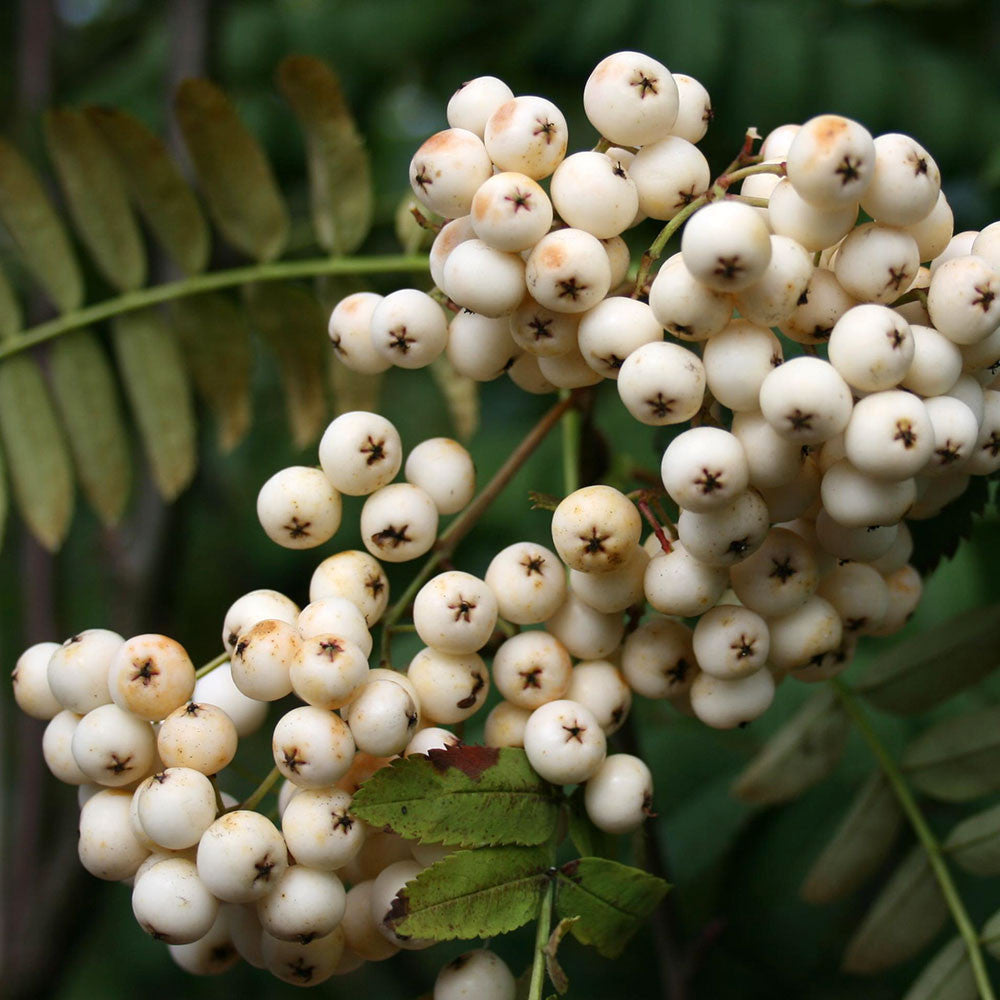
(926, 67)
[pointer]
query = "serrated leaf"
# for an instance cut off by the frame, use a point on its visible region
(938, 537)
(470, 894)
(588, 840)
(611, 900)
(958, 758)
(235, 175)
(84, 389)
(214, 335)
(859, 845)
(159, 392)
(461, 397)
(905, 916)
(468, 795)
(800, 754)
(156, 186)
(292, 324)
(947, 976)
(96, 197)
(37, 230)
(41, 472)
(974, 844)
(340, 185)
(555, 971)
(909, 679)
(10, 310)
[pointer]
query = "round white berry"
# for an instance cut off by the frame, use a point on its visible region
(263, 658)
(256, 606)
(351, 333)
(658, 658)
(483, 279)
(476, 975)
(451, 686)
(108, 847)
(528, 582)
(113, 747)
(445, 471)
(360, 452)
(409, 329)
(631, 99)
(327, 669)
(726, 246)
(789, 214)
(568, 271)
(150, 676)
(615, 328)
(218, 689)
(599, 686)
(197, 735)
(731, 641)
(447, 169)
(619, 794)
(616, 590)
(399, 522)
(704, 468)
(532, 668)
(726, 704)
(594, 529)
(312, 747)
(31, 682)
(304, 904)
(319, 829)
(905, 183)
(384, 715)
(527, 134)
(504, 726)
(779, 577)
(662, 383)
(684, 307)
(474, 101)
(737, 360)
(964, 299)
(831, 161)
(298, 508)
(676, 583)
(480, 347)
(806, 400)
(564, 742)
(593, 191)
(77, 671)
(725, 535)
(240, 856)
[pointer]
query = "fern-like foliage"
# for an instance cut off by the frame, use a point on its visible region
(64, 421)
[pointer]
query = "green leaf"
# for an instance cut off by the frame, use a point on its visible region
(340, 183)
(909, 679)
(990, 936)
(938, 537)
(611, 900)
(352, 390)
(556, 973)
(10, 310)
(84, 388)
(235, 175)
(214, 335)
(160, 395)
(800, 754)
(293, 325)
(947, 976)
(588, 840)
(41, 472)
(468, 795)
(157, 187)
(4, 500)
(470, 894)
(412, 236)
(461, 397)
(37, 231)
(905, 916)
(957, 759)
(974, 844)
(859, 845)
(96, 197)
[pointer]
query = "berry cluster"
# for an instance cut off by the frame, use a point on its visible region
(793, 485)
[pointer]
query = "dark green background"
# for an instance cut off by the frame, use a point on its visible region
(927, 68)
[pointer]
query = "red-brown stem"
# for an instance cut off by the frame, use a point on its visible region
(650, 517)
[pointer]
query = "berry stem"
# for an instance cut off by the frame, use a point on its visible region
(924, 834)
(280, 271)
(466, 521)
(541, 940)
(749, 200)
(256, 796)
(223, 657)
(650, 517)
(570, 426)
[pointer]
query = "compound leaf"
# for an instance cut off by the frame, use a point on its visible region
(470, 894)
(974, 844)
(92, 184)
(156, 186)
(947, 976)
(37, 230)
(859, 845)
(800, 754)
(293, 325)
(938, 537)
(159, 392)
(904, 917)
(611, 900)
(41, 472)
(84, 388)
(958, 758)
(214, 335)
(340, 185)
(909, 679)
(468, 795)
(235, 175)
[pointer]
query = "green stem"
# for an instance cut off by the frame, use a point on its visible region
(140, 299)
(541, 940)
(570, 448)
(749, 200)
(255, 797)
(212, 664)
(465, 522)
(924, 833)
(758, 168)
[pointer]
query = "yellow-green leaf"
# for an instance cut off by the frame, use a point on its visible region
(340, 185)
(412, 236)
(461, 397)
(159, 393)
(96, 197)
(84, 388)
(990, 935)
(947, 976)
(294, 326)
(4, 501)
(859, 845)
(214, 335)
(235, 175)
(909, 679)
(804, 751)
(10, 309)
(974, 844)
(157, 187)
(352, 390)
(905, 916)
(958, 758)
(41, 472)
(37, 231)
